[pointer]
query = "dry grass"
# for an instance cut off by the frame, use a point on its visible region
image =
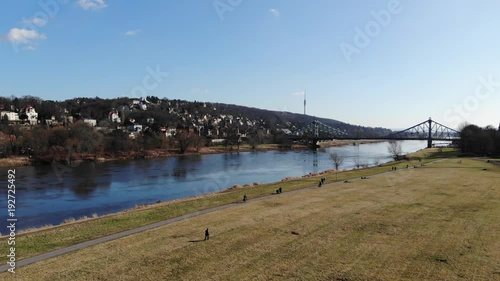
(436, 222)
(74, 231)
(14, 161)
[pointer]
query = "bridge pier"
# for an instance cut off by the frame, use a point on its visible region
(314, 144)
(429, 138)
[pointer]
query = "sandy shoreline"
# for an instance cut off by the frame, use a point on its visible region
(335, 143)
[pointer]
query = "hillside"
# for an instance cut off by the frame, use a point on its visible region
(174, 113)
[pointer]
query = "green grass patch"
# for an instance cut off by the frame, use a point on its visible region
(434, 153)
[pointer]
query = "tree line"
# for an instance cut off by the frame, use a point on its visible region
(81, 141)
(475, 140)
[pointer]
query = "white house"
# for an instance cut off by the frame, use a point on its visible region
(32, 115)
(170, 132)
(91, 122)
(133, 135)
(140, 103)
(135, 128)
(114, 116)
(12, 116)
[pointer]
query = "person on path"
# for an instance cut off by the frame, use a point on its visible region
(245, 198)
(207, 235)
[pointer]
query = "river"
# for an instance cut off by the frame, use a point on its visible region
(48, 195)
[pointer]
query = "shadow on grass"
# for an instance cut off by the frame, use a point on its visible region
(196, 241)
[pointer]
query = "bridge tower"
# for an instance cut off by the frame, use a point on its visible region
(316, 129)
(316, 134)
(429, 138)
(304, 101)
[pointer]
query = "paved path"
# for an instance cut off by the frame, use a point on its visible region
(118, 235)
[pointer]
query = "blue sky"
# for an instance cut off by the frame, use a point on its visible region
(382, 63)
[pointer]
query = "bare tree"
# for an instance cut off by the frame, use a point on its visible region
(184, 140)
(253, 142)
(198, 142)
(357, 162)
(395, 149)
(337, 161)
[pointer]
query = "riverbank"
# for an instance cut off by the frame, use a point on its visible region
(17, 161)
(38, 241)
(335, 143)
(410, 215)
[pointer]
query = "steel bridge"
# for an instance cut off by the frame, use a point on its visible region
(429, 130)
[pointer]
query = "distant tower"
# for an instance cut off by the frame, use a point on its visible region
(304, 102)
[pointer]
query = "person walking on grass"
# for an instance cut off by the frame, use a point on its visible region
(207, 235)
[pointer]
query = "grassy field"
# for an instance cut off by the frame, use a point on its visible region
(44, 240)
(436, 222)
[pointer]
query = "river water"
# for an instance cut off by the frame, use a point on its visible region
(48, 195)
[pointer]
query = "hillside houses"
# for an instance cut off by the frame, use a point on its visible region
(27, 115)
(136, 116)
(164, 117)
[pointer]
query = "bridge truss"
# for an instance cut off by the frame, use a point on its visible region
(317, 130)
(428, 130)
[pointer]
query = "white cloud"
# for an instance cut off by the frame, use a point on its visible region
(24, 36)
(36, 20)
(274, 12)
(298, 94)
(132, 32)
(92, 4)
